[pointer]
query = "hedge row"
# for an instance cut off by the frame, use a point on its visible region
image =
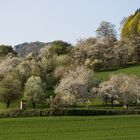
(64, 112)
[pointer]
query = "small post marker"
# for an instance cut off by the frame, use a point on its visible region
(23, 104)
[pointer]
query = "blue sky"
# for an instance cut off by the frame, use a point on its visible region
(68, 20)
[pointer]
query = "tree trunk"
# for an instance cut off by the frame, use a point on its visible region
(134, 104)
(106, 102)
(112, 103)
(8, 104)
(33, 103)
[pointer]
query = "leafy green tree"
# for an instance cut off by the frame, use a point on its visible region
(130, 33)
(35, 90)
(10, 90)
(60, 47)
(5, 49)
(63, 60)
(131, 27)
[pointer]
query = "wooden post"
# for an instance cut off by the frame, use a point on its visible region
(23, 104)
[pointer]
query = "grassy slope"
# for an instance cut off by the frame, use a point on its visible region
(133, 70)
(71, 128)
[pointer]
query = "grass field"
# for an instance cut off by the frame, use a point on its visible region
(131, 70)
(71, 128)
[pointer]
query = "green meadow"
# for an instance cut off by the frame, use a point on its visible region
(71, 128)
(131, 70)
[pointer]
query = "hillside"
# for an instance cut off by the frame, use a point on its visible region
(26, 48)
(130, 70)
(104, 75)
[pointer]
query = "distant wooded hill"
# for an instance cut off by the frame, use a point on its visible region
(26, 48)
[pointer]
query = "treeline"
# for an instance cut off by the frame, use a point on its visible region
(70, 71)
